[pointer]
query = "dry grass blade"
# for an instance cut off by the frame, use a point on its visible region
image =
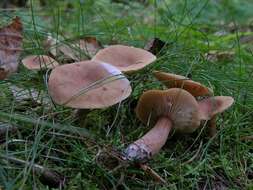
(152, 173)
(6, 129)
(195, 155)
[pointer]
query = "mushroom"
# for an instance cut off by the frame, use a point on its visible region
(195, 88)
(166, 109)
(177, 81)
(126, 59)
(38, 62)
(88, 85)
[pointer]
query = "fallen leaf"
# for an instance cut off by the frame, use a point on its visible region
(78, 50)
(235, 27)
(215, 55)
(82, 49)
(50, 44)
(155, 45)
(22, 95)
(10, 47)
(244, 39)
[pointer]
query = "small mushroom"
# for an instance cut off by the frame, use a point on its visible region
(125, 58)
(88, 85)
(38, 62)
(176, 81)
(167, 109)
(195, 88)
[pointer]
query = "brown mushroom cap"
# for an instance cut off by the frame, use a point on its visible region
(175, 103)
(37, 62)
(176, 81)
(87, 85)
(125, 58)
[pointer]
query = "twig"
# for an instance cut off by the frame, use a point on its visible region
(48, 177)
(250, 137)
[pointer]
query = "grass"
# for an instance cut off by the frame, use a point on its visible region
(48, 134)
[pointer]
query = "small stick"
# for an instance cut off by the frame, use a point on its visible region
(50, 178)
(247, 137)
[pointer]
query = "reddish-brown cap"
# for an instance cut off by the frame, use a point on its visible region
(87, 85)
(176, 81)
(125, 58)
(37, 62)
(175, 103)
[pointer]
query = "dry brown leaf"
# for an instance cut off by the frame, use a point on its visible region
(155, 45)
(10, 47)
(215, 55)
(22, 95)
(78, 50)
(81, 50)
(245, 39)
(50, 44)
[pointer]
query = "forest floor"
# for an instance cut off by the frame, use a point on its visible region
(208, 41)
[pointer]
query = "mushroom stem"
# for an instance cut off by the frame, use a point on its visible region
(212, 130)
(81, 115)
(148, 145)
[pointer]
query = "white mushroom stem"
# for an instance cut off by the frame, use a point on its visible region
(151, 143)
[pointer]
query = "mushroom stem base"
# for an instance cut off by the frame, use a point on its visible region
(144, 148)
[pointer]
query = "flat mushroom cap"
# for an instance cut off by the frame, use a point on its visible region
(87, 85)
(176, 81)
(37, 62)
(125, 58)
(175, 103)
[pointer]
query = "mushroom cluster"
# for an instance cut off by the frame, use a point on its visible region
(175, 108)
(97, 83)
(100, 83)
(90, 84)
